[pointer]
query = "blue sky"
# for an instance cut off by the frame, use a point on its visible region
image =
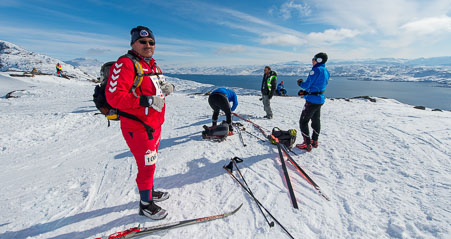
(215, 33)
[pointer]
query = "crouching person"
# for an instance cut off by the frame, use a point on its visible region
(219, 100)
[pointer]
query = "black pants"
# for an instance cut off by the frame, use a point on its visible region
(218, 102)
(311, 112)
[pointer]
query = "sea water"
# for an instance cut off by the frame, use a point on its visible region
(429, 94)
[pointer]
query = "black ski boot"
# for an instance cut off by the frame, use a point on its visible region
(230, 130)
(158, 196)
(152, 210)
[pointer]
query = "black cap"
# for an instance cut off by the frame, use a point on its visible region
(321, 58)
(140, 32)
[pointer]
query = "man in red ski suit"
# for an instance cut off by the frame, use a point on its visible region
(147, 103)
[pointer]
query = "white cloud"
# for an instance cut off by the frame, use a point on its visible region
(252, 24)
(97, 51)
(332, 35)
(291, 6)
(376, 16)
(230, 49)
(418, 34)
(428, 25)
(283, 40)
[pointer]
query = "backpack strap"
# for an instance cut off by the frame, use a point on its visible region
(158, 70)
(139, 72)
(276, 128)
(316, 93)
(148, 128)
(139, 75)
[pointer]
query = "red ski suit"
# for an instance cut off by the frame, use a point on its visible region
(119, 95)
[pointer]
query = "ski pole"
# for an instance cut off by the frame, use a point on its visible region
(251, 134)
(241, 137)
(240, 126)
(258, 202)
(254, 124)
(285, 171)
(271, 224)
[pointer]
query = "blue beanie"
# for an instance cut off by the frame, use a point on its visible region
(140, 32)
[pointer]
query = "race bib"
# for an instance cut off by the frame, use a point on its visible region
(150, 158)
(156, 80)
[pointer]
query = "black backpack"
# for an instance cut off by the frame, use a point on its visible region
(287, 138)
(99, 97)
(216, 133)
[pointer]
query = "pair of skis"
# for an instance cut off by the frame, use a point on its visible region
(283, 150)
(245, 186)
(303, 173)
(140, 231)
(240, 128)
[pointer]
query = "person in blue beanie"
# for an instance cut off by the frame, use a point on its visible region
(219, 100)
(313, 91)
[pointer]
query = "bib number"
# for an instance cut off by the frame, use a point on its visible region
(156, 80)
(150, 158)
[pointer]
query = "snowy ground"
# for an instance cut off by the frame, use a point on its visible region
(65, 174)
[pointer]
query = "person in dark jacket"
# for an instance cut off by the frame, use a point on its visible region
(219, 100)
(268, 87)
(313, 92)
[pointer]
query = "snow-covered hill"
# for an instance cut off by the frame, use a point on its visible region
(15, 58)
(65, 174)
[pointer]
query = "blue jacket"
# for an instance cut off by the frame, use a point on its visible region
(316, 82)
(231, 96)
(280, 86)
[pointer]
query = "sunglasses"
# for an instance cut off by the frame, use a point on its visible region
(152, 43)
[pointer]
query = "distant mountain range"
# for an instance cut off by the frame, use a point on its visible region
(90, 66)
(436, 69)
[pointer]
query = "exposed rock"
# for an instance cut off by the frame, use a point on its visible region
(365, 97)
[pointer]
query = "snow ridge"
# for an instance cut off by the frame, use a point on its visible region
(16, 58)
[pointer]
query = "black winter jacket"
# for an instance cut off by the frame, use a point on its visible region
(269, 82)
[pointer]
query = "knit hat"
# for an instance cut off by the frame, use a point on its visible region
(140, 32)
(321, 58)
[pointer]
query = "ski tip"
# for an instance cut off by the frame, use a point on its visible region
(238, 208)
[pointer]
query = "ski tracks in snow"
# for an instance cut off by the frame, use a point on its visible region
(384, 165)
